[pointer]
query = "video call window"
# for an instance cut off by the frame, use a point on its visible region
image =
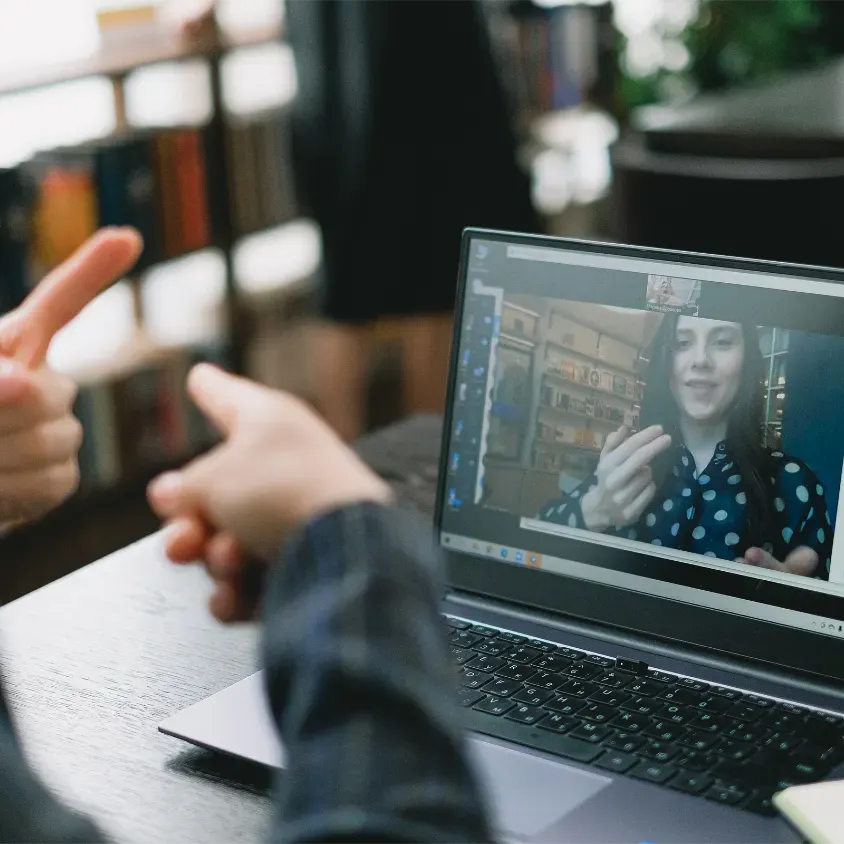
(663, 428)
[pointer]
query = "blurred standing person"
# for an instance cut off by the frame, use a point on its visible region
(403, 136)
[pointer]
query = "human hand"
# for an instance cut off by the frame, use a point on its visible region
(625, 484)
(802, 561)
(39, 436)
(279, 467)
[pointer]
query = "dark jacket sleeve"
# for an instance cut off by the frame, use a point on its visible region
(362, 690)
(361, 685)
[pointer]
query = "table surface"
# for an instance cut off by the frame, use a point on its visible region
(95, 661)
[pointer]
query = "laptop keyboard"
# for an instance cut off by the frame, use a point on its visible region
(618, 715)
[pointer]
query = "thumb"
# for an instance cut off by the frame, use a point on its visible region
(802, 561)
(186, 492)
(221, 396)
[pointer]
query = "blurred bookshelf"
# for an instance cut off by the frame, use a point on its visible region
(186, 143)
(558, 67)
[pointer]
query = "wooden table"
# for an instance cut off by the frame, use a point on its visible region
(94, 661)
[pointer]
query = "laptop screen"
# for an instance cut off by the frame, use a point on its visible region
(670, 428)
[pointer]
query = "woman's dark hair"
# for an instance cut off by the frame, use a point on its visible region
(745, 426)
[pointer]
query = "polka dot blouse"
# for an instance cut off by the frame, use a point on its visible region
(706, 513)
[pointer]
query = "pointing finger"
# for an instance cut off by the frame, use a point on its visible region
(26, 333)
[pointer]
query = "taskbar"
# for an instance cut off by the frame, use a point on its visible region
(649, 586)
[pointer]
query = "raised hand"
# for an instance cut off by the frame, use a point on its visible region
(625, 484)
(279, 466)
(39, 436)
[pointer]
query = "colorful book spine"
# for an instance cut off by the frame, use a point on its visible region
(127, 191)
(15, 233)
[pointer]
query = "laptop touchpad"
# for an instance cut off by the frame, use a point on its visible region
(527, 794)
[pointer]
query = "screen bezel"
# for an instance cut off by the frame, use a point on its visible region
(729, 633)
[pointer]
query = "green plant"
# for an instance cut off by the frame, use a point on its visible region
(730, 43)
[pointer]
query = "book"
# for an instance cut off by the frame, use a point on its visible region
(15, 233)
(65, 213)
(127, 191)
(189, 167)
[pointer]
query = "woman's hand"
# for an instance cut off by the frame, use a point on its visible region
(625, 486)
(803, 561)
(39, 436)
(279, 467)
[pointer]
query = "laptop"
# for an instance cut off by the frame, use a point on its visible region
(638, 496)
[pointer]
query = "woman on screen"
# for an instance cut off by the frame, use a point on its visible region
(696, 477)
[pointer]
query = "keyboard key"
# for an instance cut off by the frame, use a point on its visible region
(761, 702)
(784, 722)
(570, 653)
(696, 761)
(575, 688)
(807, 770)
(603, 661)
(691, 783)
(501, 688)
(542, 647)
(745, 712)
(532, 696)
(491, 647)
(631, 666)
(464, 639)
(727, 694)
(733, 751)
(792, 709)
(625, 742)
(661, 676)
(557, 723)
(676, 714)
(654, 772)
(707, 723)
(490, 664)
(735, 772)
(455, 623)
(783, 744)
(665, 731)
(642, 706)
(609, 697)
(680, 696)
(523, 655)
(582, 671)
(467, 697)
(566, 705)
(483, 630)
(460, 655)
(613, 679)
(694, 685)
(514, 671)
(548, 680)
(512, 638)
(592, 733)
(472, 679)
(616, 760)
(698, 741)
(552, 662)
(525, 714)
(628, 722)
(745, 732)
(761, 804)
(729, 795)
(644, 688)
(712, 704)
(660, 751)
(597, 713)
(494, 705)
